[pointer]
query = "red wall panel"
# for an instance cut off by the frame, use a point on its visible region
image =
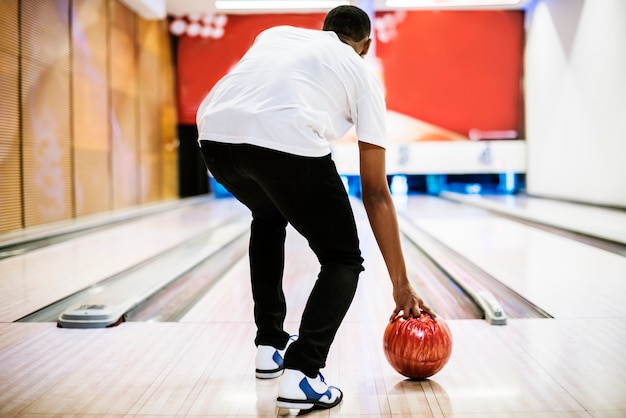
(458, 70)
(203, 61)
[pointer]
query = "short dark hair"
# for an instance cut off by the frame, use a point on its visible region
(349, 21)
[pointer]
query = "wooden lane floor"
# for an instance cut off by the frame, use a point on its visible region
(204, 365)
(595, 221)
(206, 369)
(37, 278)
(567, 278)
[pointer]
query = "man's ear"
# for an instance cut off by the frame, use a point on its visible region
(366, 47)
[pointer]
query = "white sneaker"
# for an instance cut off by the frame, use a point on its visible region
(298, 391)
(269, 360)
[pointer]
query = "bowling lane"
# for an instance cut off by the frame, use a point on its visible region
(594, 221)
(373, 300)
(205, 366)
(40, 277)
(232, 295)
(566, 278)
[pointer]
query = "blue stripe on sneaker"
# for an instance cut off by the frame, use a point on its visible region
(278, 359)
(310, 393)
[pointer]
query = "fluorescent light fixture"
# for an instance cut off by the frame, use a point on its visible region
(449, 3)
(278, 4)
(148, 9)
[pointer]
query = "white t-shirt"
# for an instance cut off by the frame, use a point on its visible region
(294, 91)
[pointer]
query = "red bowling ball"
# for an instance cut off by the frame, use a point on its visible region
(417, 347)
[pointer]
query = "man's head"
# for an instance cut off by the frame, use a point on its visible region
(349, 21)
(352, 25)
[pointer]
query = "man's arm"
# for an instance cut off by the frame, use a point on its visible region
(382, 217)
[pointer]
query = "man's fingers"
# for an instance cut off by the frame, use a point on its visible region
(429, 312)
(406, 313)
(414, 311)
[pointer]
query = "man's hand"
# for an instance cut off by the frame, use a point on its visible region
(408, 303)
(382, 216)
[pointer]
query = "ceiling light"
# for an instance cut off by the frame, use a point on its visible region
(448, 3)
(278, 4)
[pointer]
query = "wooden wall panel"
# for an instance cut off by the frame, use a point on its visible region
(45, 30)
(45, 106)
(122, 44)
(149, 85)
(150, 149)
(125, 159)
(169, 136)
(92, 147)
(90, 106)
(46, 139)
(124, 106)
(10, 155)
(9, 39)
(87, 111)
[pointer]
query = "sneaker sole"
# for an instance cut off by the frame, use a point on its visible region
(269, 374)
(306, 404)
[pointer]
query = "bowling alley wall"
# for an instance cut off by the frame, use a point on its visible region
(87, 117)
(540, 91)
(451, 79)
(95, 99)
(575, 94)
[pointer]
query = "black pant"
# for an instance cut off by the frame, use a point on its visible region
(306, 192)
